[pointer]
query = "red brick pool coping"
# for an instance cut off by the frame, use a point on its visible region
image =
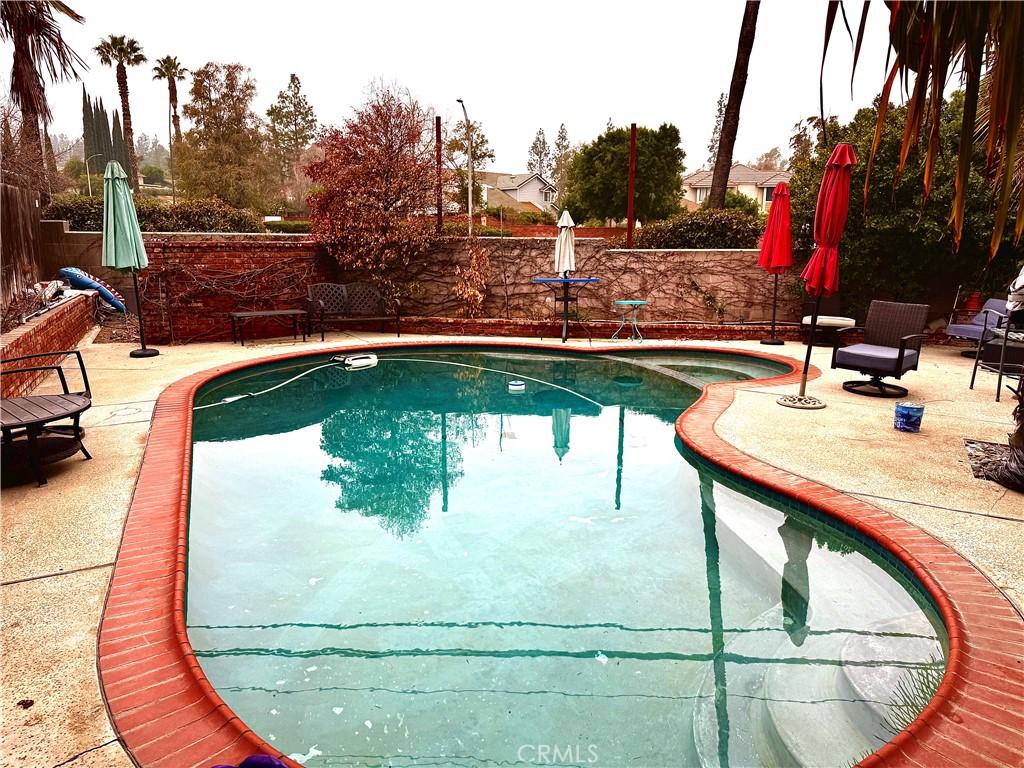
(168, 715)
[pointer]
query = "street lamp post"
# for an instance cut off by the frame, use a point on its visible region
(88, 176)
(469, 154)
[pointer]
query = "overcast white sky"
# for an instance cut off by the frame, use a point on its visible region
(519, 66)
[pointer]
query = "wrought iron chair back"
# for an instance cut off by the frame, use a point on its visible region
(331, 297)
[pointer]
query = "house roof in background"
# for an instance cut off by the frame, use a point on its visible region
(739, 174)
(509, 180)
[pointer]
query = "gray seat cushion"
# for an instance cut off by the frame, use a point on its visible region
(969, 330)
(871, 357)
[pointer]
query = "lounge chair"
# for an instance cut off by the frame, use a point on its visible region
(981, 327)
(330, 303)
(891, 347)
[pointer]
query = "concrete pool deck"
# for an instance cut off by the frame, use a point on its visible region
(60, 541)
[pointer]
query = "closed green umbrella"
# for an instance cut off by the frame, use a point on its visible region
(122, 239)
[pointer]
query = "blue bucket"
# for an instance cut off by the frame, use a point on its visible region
(908, 417)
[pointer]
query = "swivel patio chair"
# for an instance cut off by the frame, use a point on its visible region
(980, 328)
(891, 347)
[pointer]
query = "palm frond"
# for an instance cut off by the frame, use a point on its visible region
(930, 38)
(40, 51)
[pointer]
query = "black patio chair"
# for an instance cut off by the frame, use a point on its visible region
(891, 347)
(337, 303)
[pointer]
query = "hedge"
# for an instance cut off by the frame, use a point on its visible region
(703, 228)
(197, 215)
(288, 227)
(517, 216)
(458, 229)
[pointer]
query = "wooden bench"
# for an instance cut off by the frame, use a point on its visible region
(329, 303)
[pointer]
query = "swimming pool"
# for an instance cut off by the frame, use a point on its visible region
(411, 565)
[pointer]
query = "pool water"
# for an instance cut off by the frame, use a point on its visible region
(409, 565)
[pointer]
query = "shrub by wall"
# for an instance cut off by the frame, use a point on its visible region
(288, 227)
(196, 215)
(704, 228)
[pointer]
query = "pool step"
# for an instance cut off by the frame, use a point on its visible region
(812, 718)
(747, 730)
(806, 710)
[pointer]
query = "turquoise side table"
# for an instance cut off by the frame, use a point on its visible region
(630, 309)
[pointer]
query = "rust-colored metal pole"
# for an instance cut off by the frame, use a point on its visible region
(632, 183)
(437, 154)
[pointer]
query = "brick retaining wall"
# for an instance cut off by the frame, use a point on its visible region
(195, 280)
(59, 329)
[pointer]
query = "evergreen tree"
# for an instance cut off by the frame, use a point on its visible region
(716, 132)
(292, 122)
(539, 160)
(88, 126)
(562, 157)
(226, 154)
(51, 160)
(104, 142)
(117, 142)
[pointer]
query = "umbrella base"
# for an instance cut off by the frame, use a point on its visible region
(147, 352)
(803, 402)
(773, 342)
(874, 387)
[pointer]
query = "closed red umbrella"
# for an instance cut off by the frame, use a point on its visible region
(821, 275)
(777, 247)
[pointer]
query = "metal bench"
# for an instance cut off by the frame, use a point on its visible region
(24, 420)
(330, 303)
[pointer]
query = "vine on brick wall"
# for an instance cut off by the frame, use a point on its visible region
(471, 281)
(278, 284)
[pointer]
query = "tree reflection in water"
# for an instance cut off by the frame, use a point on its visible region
(391, 462)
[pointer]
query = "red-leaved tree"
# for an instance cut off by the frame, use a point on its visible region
(373, 187)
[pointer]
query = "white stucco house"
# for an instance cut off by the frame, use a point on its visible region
(517, 190)
(742, 178)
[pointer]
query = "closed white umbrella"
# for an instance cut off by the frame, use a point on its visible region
(565, 246)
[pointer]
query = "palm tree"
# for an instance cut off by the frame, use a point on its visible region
(39, 49)
(169, 68)
(731, 118)
(124, 52)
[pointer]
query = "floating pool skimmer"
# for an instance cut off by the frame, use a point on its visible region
(356, 362)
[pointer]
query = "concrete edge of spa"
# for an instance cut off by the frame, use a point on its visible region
(167, 713)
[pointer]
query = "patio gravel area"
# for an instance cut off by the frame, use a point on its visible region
(59, 542)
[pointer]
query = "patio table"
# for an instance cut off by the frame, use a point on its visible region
(564, 297)
(28, 416)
